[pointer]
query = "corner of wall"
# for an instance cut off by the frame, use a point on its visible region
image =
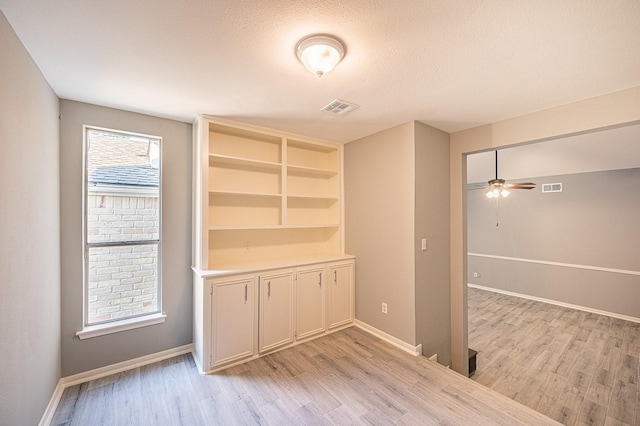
(29, 235)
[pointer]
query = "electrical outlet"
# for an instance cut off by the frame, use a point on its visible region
(384, 308)
(476, 275)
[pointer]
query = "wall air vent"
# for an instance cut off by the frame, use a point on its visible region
(552, 187)
(339, 107)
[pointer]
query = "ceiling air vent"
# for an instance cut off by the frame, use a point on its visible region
(552, 187)
(339, 107)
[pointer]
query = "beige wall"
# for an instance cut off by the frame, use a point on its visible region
(432, 222)
(379, 228)
(83, 355)
(29, 236)
(396, 193)
(615, 109)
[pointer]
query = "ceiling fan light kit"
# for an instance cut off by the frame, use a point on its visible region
(496, 189)
(499, 187)
(320, 53)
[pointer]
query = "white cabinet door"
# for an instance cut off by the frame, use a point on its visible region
(341, 277)
(232, 315)
(276, 310)
(311, 302)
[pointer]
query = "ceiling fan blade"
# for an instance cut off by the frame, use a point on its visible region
(476, 186)
(522, 185)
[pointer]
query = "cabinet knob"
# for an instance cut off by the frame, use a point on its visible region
(320, 279)
(245, 293)
(335, 276)
(268, 290)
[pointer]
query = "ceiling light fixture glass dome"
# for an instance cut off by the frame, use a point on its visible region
(320, 53)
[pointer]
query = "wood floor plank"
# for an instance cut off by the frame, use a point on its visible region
(347, 378)
(576, 367)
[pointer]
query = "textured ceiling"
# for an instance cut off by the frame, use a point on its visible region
(451, 64)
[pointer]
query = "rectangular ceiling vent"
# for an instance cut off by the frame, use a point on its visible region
(339, 107)
(552, 187)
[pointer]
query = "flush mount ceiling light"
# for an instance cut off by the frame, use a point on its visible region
(320, 53)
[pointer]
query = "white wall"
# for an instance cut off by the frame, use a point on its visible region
(29, 236)
(83, 355)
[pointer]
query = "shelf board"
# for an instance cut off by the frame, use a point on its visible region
(311, 198)
(223, 269)
(323, 225)
(227, 160)
(311, 146)
(310, 171)
(245, 194)
(268, 227)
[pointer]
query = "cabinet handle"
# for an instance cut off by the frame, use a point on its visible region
(335, 276)
(245, 293)
(320, 279)
(269, 290)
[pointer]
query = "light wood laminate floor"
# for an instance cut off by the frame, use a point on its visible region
(346, 378)
(576, 367)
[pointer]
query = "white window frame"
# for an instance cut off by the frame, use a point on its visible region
(134, 321)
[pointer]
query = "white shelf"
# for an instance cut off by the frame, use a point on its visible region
(272, 227)
(260, 188)
(227, 160)
(310, 171)
(311, 198)
(225, 269)
(244, 194)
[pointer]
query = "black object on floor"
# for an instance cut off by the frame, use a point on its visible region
(472, 361)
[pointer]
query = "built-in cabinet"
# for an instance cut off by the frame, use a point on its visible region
(311, 301)
(341, 294)
(232, 302)
(276, 310)
(268, 256)
(235, 323)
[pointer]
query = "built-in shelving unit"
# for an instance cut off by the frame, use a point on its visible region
(263, 195)
(269, 262)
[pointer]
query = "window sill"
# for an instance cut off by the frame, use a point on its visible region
(116, 327)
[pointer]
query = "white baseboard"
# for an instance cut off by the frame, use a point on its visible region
(434, 357)
(53, 404)
(557, 303)
(410, 349)
(108, 370)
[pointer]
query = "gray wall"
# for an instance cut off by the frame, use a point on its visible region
(83, 355)
(29, 236)
(432, 222)
(602, 112)
(379, 228)
(593, 222)
(396, 193)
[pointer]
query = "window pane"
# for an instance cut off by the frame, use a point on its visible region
(122, 282)
(122, 187)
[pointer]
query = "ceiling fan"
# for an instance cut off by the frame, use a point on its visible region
(499, 187)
